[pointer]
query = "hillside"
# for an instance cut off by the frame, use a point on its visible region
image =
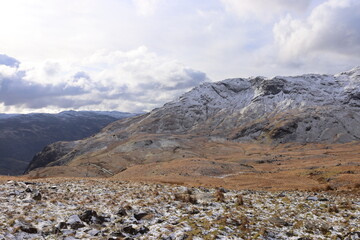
(210, 125)
(23, 135)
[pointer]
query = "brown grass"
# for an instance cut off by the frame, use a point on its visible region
(320, 167)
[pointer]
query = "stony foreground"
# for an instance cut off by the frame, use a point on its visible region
(103, 209)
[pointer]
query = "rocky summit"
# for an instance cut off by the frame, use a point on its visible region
(306, 109)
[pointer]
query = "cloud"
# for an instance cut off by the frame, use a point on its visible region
(135, 80)
(223, 38)
(15, 90)
(265, 10)
(8, 61)
(81, 75)
(331, 29)
(146, 7)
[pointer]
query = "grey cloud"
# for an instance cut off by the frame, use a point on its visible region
(265, 10)
(149, 86)
(8, 61)
(81, 74)
(190, 79)
(120, 92)
(17, 91)
(333, 27)
(51, 68)
(149, 92)
(61, 102)
(144, 89)
(340, 30)
(187, 79)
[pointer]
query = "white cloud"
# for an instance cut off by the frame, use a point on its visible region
(58, 41)
(332, 29)
(135, 80)
(146, 7)
(265, 10)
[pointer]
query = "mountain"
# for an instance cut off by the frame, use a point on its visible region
(206, 127)
(23, 135)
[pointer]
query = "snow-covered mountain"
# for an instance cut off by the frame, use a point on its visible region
(306, 108)
(23, 135)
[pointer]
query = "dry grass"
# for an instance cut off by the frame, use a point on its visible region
(219, 196)
(187, 198)
(320, 167)
(253, 166)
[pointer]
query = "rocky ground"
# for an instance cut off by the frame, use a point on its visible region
(103, 209)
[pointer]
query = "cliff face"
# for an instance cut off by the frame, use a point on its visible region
(304, 109)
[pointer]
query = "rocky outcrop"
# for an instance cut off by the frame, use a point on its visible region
(53, 151)
(303, 109)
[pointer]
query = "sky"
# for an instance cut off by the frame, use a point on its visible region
(135, 55)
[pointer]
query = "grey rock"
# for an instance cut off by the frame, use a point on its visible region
(281, 195)
(117, 234)
(30, 183)
(62, 225)
(73, 219)
(278, 222)
(312, 198)
(93, 232)
(75, 222)
(143, 230)
(28, 229)
(352, 236)
(71, 238)
(121, 212)
(130, 230)
(36, 195)
(25, 227)
(139, 216)
(67, 232)
(90, 216)
(14, 193)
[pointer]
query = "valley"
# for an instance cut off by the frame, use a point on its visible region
(23, 135)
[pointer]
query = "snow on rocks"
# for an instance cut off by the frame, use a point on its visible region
(104, 209)
(75, 222)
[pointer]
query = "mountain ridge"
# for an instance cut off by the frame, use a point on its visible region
(311, 108)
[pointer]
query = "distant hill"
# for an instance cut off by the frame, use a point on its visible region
(23, 135)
